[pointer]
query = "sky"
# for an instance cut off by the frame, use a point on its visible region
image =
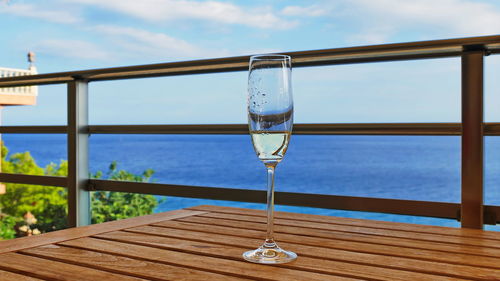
(83, 34)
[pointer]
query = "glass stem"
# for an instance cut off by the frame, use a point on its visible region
(270, 206)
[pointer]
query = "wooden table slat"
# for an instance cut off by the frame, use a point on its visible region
(413, 228)
(9, 276)
(123, 265)
(233, 247)
(72, 233)
(52, 270)
(238, 268)
(374, 232)
(391, 250)
(243, 227)
(254, 237)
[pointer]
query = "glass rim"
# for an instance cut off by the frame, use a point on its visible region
(270, 57)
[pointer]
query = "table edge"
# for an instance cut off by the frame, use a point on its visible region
(79, 232)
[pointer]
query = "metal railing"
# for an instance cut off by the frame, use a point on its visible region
(470, 211)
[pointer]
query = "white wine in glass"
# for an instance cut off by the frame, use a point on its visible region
(270, 120)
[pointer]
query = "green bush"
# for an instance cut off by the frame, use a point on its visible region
(7, 224)
(108, 206)
(49, 204)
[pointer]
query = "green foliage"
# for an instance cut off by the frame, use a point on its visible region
(7, 224)
(49, 204)
(107, 206)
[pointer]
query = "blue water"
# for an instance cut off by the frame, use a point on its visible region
(401, 167)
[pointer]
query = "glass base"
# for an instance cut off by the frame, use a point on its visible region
(269, 254)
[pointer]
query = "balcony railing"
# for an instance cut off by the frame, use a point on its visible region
(471, 211)
(11, 72)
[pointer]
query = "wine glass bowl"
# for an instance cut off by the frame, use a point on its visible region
(270, 120)
(270, 106)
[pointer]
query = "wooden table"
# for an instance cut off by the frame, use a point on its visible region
(206, 243)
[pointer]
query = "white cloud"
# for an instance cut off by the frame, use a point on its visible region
(143, 43)
(77, 49)
(213, 11)
(37, 12)
(444, 18)
(311, 11)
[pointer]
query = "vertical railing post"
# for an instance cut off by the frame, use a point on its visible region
(78, 166)
(472, 137)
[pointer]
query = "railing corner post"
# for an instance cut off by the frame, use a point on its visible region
(472, 138)
(78, 164)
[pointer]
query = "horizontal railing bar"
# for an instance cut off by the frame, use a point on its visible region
(380, 205)
(309, 129)
(490, 129)
(373, 53)
(33, 129)
(241, 63)
(35, 180)
(170, 129)
(299, 129)
(365, 204)
(491, 214)
(379, 129)
(391, 206)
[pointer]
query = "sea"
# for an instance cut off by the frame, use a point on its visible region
(400, 167)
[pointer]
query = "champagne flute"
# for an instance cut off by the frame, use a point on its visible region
(270, 118)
